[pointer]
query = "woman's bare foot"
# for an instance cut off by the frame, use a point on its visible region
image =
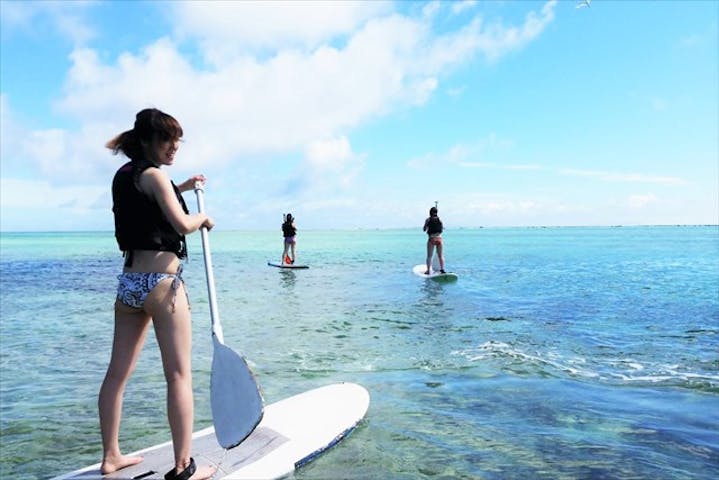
(204, 472)
(113, 464)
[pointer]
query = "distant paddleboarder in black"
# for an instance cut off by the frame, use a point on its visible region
(289, 232)
(433, 227)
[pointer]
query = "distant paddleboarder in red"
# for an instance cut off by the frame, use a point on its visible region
(289, 232)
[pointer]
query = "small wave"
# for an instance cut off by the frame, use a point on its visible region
(492, 349)
(670, 373)
(612, 370)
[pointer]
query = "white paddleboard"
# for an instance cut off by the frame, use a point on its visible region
(286, 265)
(434, 274)
(291, 434)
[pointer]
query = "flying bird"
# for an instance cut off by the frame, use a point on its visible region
(584, 3)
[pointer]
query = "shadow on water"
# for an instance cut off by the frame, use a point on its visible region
(433, 293)
(288, 278)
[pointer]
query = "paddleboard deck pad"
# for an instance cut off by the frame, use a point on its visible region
(434, 274)
(292, 433)
(286, 265)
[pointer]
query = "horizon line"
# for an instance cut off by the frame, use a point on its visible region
(480, 227)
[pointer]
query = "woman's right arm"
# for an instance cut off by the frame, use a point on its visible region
(156, 183)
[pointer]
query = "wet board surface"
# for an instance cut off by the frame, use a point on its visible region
(287, 265)
(434, 274)
(292, 433)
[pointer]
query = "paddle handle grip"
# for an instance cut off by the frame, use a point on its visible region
(214, 312)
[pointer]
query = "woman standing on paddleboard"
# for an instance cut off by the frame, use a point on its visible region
(151, 221)
(433, 227)
(289, 232)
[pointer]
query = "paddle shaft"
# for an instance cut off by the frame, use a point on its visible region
(214, 312)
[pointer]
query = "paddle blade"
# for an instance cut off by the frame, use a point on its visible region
(237, 404)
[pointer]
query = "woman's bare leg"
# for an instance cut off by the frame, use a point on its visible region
(292, 246)
(284, 251)
(174, 335)
(130, 333)
(440, 254)
(430, 252)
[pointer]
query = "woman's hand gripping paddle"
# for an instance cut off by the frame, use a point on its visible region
(237, 404)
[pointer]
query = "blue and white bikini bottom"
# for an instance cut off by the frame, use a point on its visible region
(134, 287)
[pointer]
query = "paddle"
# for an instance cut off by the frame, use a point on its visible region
(237, 404)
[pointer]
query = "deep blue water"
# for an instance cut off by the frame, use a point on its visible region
(559, 352)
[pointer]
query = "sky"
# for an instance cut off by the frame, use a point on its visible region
(364, 114)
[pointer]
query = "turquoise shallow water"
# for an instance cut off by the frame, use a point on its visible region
(560, 353)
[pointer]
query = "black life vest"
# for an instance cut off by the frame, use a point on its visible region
(288, 230)
(140, 224)
(434, 225)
